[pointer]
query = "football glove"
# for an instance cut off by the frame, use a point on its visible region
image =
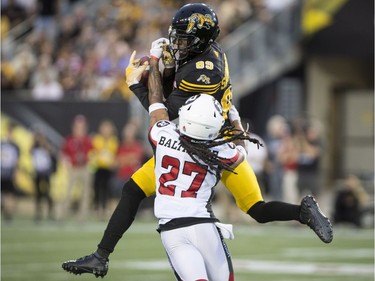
(134, 70)
(167, 58)
(157, 47)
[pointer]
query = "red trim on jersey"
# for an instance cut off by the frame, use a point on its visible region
(232, 160)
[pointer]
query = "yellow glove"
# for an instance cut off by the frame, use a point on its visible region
(134, 70)
(167, 58)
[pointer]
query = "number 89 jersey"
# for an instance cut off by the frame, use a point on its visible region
(206, 73)
(183, 188)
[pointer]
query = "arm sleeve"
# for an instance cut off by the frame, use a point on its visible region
(141, 92)
(264, 212)
(168, 78)
(123, 216)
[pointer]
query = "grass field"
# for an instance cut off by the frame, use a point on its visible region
(272, 252)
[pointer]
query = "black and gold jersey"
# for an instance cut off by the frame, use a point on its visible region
(206, 73)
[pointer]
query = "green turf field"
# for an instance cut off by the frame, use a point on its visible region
(273, 252)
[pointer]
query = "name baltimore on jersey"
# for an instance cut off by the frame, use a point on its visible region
(173, 144)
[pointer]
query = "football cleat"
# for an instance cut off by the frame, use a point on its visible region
(93, 263)
(311, 215)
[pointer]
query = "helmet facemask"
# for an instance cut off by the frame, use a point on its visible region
(183, 46)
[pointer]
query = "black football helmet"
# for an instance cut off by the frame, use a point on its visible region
(194, 28)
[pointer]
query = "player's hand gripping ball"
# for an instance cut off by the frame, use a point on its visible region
(137, 70)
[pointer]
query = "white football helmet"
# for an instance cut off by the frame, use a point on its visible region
(201, 117)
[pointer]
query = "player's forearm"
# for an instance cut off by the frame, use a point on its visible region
(155, 92)
(238, 126)
(157, 110)
(235, 120)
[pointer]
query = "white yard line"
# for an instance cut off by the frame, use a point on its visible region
(240, 266)
(303, 268)
(263, 266)
(328, 253)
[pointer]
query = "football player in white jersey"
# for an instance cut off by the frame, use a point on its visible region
(189, 158)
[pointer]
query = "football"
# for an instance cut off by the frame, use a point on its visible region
(144, 77)
(143, 59)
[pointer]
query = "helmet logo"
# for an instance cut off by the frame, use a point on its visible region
(204, 79)
(199, 21)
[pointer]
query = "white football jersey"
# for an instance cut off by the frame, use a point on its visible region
(183, 188)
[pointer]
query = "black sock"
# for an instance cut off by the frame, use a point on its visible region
(274, 211)
(122, 217)
(103, 253)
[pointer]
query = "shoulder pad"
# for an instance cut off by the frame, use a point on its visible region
(162, 123)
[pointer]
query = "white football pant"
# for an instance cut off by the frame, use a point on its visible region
(198, 252)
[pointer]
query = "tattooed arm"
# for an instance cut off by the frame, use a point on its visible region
(157, 110)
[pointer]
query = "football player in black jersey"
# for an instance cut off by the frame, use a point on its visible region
(201, 64)
(201, 68)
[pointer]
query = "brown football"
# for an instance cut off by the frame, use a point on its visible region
(144, 77)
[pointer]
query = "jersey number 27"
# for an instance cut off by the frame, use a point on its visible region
(188, 169)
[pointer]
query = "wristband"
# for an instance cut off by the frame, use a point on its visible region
(154, 57)
(170, 66)
(135, 81)
(156, 106)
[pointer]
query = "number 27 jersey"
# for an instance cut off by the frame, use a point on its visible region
(183, 188)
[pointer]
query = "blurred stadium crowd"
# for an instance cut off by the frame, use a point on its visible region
(78, 50)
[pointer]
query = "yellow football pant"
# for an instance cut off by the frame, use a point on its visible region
(243, 185)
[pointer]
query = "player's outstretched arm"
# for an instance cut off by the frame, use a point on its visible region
(157, 109)
(133, 77)
(235, 119)
(134, 70)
